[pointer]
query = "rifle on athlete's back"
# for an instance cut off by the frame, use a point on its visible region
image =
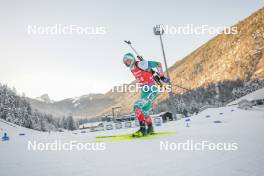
(155, 75)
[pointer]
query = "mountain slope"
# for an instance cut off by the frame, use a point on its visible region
(45, 98)
(83, 106)
(226, 57)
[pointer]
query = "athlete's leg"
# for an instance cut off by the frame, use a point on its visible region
(138, 109)
(149, 97)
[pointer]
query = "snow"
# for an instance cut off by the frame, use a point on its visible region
(89, 125)
(40, 99)
(76, 104)
(45, 98)
(143, 156)
(75, 99)
(258, 94)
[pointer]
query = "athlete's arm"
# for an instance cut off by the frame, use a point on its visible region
(148, 65)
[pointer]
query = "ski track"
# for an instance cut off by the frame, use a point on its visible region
(143, 156)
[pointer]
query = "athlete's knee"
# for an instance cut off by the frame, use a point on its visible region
(148, 120)
(140, 115)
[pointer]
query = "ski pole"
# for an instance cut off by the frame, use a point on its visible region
(130, 44)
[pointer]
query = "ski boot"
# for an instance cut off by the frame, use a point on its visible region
(150, 129)
(142, 130)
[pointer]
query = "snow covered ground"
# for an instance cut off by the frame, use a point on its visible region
(143, 156)
(259, 94)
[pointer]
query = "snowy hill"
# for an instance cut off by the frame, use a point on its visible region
(82, 106)
(44, 98)
(259, 94)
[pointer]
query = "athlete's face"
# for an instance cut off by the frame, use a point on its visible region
(128, 62)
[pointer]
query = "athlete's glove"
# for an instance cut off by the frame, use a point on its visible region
(165, 79)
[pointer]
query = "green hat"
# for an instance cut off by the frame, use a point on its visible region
(129, 56)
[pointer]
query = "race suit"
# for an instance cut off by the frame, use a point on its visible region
(149, 91)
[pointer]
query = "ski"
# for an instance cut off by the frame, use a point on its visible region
(125, 137)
